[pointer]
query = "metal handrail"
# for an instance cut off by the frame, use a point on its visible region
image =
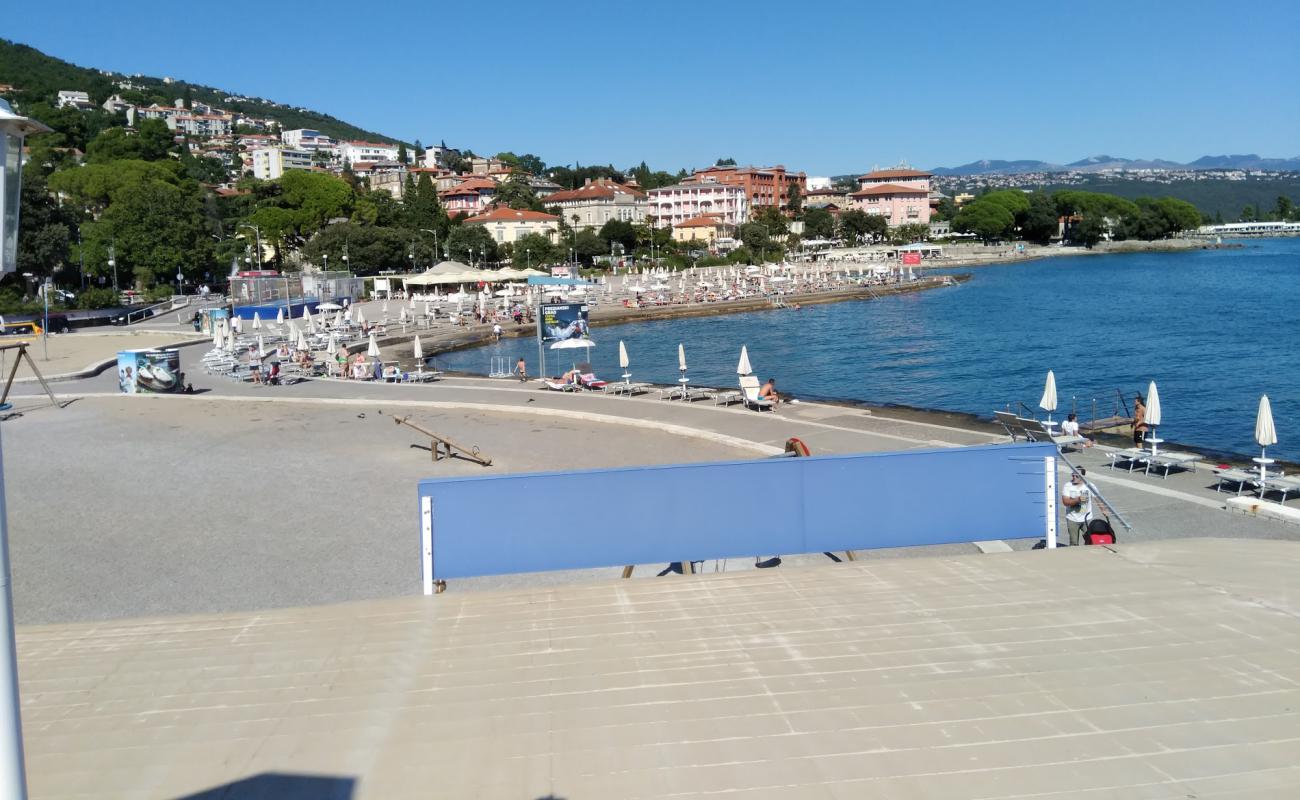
(1094, 490)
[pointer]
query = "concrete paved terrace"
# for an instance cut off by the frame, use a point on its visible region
(1161, 670)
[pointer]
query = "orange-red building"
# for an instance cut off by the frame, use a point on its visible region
(763, 186)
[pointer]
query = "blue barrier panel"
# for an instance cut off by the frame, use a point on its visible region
(535, 522)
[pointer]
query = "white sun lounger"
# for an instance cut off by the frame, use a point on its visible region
(749, 389)
(1283, 485)
(559, 387)
(1170, 460)
(1240, 477)
(1011, 424)
(1039, 433)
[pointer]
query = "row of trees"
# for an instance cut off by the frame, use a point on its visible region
(1089, 216)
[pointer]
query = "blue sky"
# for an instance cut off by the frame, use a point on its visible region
(826, 87)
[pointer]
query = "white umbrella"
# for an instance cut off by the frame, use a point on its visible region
(385, 308)
(402, 316)
(324, 307)
(412, 303)
(1048, 403)
(257, 321)
(218, 334)
(417, 350)
(681, 366)
(261, 348)
(302, 340)
(339, 317)
(569, 344)
(333, 347)
(743, 368)
(623, 361)
(428, 310)
(279, 316)
(359, 318)
(1153, 415)
(1265, 434)
(373, 350)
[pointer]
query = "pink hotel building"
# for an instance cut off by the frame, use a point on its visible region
(670, 205)
(902, 196)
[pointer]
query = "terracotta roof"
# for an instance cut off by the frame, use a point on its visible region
(471, 186)
(888, 188)
(895, 173)
(594, 191)
(512, 215)
(702, 221)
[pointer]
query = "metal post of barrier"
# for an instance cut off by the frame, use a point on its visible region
(1049, 479)
(426, 542)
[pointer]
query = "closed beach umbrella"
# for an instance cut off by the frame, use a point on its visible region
(373, 350)
(218, 334)
(359, 318)
(385, 309)
(339, 318)
(681, 357)
(302, 340)
(257, 321)
(743, 368)
(333, 347)
(417, 350)
(261, 348)
(279, 316)
(428, 311)
(402, 316)
(1265, 433)
(1153, 414)
(1048, 403)
(624, 361)
(412, 303)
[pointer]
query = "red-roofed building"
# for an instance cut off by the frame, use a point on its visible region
(470, 196)
(900, 194)
(597, 202)
(706, 228)
(763, 186)
(511, 224)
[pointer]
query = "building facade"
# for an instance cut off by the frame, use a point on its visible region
(470, 196)
(706, 228)
(352, 152)
(900, 195)
(508, 225)
(598, 202)
(672, 205)
(270, 163)
(763, 186)
(307, 139)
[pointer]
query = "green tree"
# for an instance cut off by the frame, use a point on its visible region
(1248, 214)
(45, 236)
(755, 236)
(1087, 231)
(401, 153)
(946, 211)
(818, 223)
(188, 99)
(1284, 209)
(794, 201)
(589, 245)
(1040, 221)
(422, 209)
(908, 233)
(315, 198)
(535, 250)
(380, 209)
(987, 220)
(467, 242)
(725, 162)
(157, 228)
(92, 187)
(369, 249)
(532, 164)
(778, 225)
(516, 193)
(617, 231)
(151, 143)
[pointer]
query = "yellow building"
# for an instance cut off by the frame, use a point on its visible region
(510, 224)
(704, 228)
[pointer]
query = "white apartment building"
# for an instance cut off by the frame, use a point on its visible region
(670, 205)
(353, 152)
(201, 125)
(271, 162)
(77, 100)
(307, 139)
(599, 201)
(116, 105)
(438, 156)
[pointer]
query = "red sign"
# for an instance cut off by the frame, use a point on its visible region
(911, 258)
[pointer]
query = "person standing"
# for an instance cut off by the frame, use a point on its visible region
(496, 331)
(1139, 420)
(521, 369)
(1077, 499)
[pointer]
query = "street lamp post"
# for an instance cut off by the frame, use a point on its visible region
(257, 232)
(435, 240)
(112, 262)
(13, 775)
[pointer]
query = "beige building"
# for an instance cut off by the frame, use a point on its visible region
(511, 224)
(598, 202)
(704, 228)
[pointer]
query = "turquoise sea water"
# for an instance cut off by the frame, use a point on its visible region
(1213, 328)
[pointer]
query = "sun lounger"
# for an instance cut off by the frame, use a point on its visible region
(1240, 477)
(1010, 424)
(727, 396)
(559, 387)
(1283, 485)
(1171, 460)
(628, 389)
(1039, 433)
(749, 389)
(1132, 456)
(590, 381)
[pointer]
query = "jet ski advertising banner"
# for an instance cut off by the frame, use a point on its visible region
(149, 371)
(563, 321)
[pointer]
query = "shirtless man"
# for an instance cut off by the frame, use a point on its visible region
(768, 392)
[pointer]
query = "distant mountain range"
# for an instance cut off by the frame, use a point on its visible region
(1104, 162)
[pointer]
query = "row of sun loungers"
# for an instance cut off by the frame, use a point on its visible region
(1134, 457)
(1272, 483)
(747, 393)
(1031, 430)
